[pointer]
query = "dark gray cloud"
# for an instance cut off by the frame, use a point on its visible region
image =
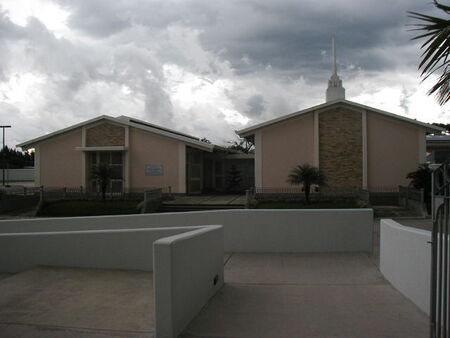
(287, 35)
(204, 67)
(256, 106)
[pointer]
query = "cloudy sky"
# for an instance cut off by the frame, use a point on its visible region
(203, 67)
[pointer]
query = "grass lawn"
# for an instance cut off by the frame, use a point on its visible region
(331, 204)
(66, 208)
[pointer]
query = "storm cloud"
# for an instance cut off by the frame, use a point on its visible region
(202, 67)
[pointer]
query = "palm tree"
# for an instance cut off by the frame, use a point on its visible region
(102, 173)
(436, 56)
(306, 175)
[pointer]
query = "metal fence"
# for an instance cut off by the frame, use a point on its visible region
(384, 195)
(415, 200)
(375, 195)
(440, 288)
(298, 193)
(17, 198)
(53, 193)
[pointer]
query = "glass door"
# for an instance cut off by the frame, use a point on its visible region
(114, 159)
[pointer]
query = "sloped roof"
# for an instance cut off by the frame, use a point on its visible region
(250, 130)
(438, 141)
(128, 121)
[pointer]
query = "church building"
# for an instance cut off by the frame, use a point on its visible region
(355, 145)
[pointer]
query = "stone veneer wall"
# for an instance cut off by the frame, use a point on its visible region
(340, 147)
(105, 134)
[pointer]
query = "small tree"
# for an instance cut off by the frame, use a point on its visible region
(102, 174)
(421, 179)
(306, 175)
(242, 145)
(233, 180)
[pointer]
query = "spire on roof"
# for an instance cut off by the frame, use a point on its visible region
(335, 91)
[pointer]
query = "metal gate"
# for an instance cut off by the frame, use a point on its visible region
(439, 302)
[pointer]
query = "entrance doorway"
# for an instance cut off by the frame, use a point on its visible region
(114, 159)
(194, 171)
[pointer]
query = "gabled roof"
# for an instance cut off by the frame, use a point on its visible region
(250, 130)
(128, 121)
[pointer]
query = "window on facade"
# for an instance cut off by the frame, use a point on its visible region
(115, 160)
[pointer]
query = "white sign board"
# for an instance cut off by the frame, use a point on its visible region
(154, 170)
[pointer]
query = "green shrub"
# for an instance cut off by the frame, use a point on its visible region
(68, 208)
(153, 204)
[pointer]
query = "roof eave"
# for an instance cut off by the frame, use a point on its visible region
(31, 143)
(198, 144)
(251, 130)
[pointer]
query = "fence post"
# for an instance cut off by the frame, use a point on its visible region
(64, 192)
(247, 198)
(24, 191)
(144, 207)
(407, 198)
(422, 197)
(170, 190)
(41, 194)
(81, 191)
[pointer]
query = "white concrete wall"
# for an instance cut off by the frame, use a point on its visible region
(188, 271)
(19, 175)
(330, 230)
(405, 260)
(129, 249)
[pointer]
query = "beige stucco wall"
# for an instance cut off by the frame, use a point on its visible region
(60, 163)
(147, 148)
(392, 150)
(284, 146)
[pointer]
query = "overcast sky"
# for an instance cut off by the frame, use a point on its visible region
(202, 67)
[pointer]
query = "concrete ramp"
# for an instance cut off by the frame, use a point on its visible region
(307, 295)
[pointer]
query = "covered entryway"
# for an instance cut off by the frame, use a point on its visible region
(212, 172)
(194, 171)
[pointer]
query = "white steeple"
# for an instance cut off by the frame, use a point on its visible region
(335, 91)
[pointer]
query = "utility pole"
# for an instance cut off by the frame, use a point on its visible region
(4, 153)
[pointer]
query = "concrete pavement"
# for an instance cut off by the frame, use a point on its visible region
(56, 302)
(307, 295)
(265, 295)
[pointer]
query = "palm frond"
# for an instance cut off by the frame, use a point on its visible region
(436, 50)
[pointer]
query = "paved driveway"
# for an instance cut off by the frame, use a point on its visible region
(78, 303)
(307, 295)
(265, 295)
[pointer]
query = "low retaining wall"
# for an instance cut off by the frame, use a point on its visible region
(319, 230)
(129, 249)
(405, 260)
(188, 271)
(19, 175)
(13, 203)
